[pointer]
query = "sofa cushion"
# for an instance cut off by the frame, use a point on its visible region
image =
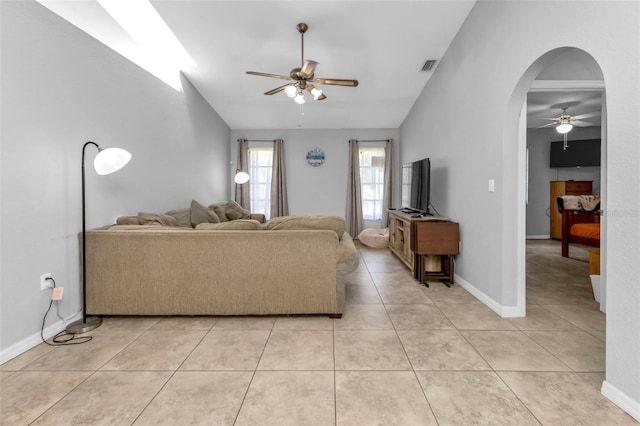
(235, 211)
(127, 220)
(236, 225)
(183, 217)
(150, 227)
(219, 210)
(201, 214)
(156, 219)
(332, 223)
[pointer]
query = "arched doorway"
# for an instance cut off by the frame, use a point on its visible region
(516, 125)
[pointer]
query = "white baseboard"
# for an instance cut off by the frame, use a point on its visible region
(621, 399)
(34, 340)
(503, 311)
(538, 237)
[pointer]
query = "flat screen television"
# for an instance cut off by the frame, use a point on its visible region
(579, 153)
(416, 185)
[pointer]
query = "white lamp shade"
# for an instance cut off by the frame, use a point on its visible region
(110, 160)
(316, 93)
(564, 128)
(299, 99)
(241, 177)
(290, 91)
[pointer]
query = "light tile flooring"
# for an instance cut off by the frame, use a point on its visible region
(402, 354)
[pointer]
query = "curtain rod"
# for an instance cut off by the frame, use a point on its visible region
(374, 140)
(257, 140)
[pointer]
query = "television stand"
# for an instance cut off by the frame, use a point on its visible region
(426, 245)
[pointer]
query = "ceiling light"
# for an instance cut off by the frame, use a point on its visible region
(564, 127)
(299, 98)
(316, 93)
(290, 91)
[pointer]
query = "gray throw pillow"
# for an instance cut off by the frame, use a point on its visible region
(219, 209)
(235, 211)
(201, 214)
(183, 217)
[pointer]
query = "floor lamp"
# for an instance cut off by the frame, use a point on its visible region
(107, 161)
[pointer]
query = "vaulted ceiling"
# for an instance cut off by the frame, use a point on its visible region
(382, 44)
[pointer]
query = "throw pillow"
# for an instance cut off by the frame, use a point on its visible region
(183, 217)
(156, 219)
(333, 223)
(201, 214)
(235, 225)
(219, 210)
(127, 220)
(235, 211)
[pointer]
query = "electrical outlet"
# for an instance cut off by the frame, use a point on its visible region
(44, 282)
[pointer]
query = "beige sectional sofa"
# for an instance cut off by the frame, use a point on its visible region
(270, 270)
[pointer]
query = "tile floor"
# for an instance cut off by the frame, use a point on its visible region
(402, 354)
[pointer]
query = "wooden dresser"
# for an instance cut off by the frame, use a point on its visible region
(564, 187)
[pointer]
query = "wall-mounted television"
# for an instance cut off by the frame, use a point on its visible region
(416, 185)
(579, 153)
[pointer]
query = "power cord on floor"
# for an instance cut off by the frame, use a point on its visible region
(67, 338)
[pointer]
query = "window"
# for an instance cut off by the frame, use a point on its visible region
(260, 165)
(372, 181)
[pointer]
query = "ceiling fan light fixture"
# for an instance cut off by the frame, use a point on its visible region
(299, 98)
(290, 91)
(317, 93)
(564, 127)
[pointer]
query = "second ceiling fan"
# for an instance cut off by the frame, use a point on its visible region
(303, 77)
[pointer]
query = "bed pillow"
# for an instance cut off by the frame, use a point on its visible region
(201, 214)
(332, 223)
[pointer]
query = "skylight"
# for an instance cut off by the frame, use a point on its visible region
(158, 50)
(149, 42)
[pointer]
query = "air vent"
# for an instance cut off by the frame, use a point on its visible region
(428, 65)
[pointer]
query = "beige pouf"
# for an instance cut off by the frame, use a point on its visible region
(375, 238)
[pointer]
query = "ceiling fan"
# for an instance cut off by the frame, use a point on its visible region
(303, 77)
(565, 121)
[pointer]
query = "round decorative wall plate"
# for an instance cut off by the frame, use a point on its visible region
(315, 157)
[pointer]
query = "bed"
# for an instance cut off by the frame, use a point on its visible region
(580, 220)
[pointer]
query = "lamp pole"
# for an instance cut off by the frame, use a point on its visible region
(86, 324)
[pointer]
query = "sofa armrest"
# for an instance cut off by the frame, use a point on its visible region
(259, 217)
(348, 257)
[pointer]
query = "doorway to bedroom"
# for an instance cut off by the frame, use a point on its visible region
(558, 289)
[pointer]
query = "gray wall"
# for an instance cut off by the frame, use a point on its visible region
(540, 174)
(466, 120)
(323, 189)
(61, 88)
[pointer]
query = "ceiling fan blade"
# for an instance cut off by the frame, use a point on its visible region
(276, 90)
(547, 125)
(588, 115)
(337, 82)
(262, 74)
(308, 68)
(581, 123)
